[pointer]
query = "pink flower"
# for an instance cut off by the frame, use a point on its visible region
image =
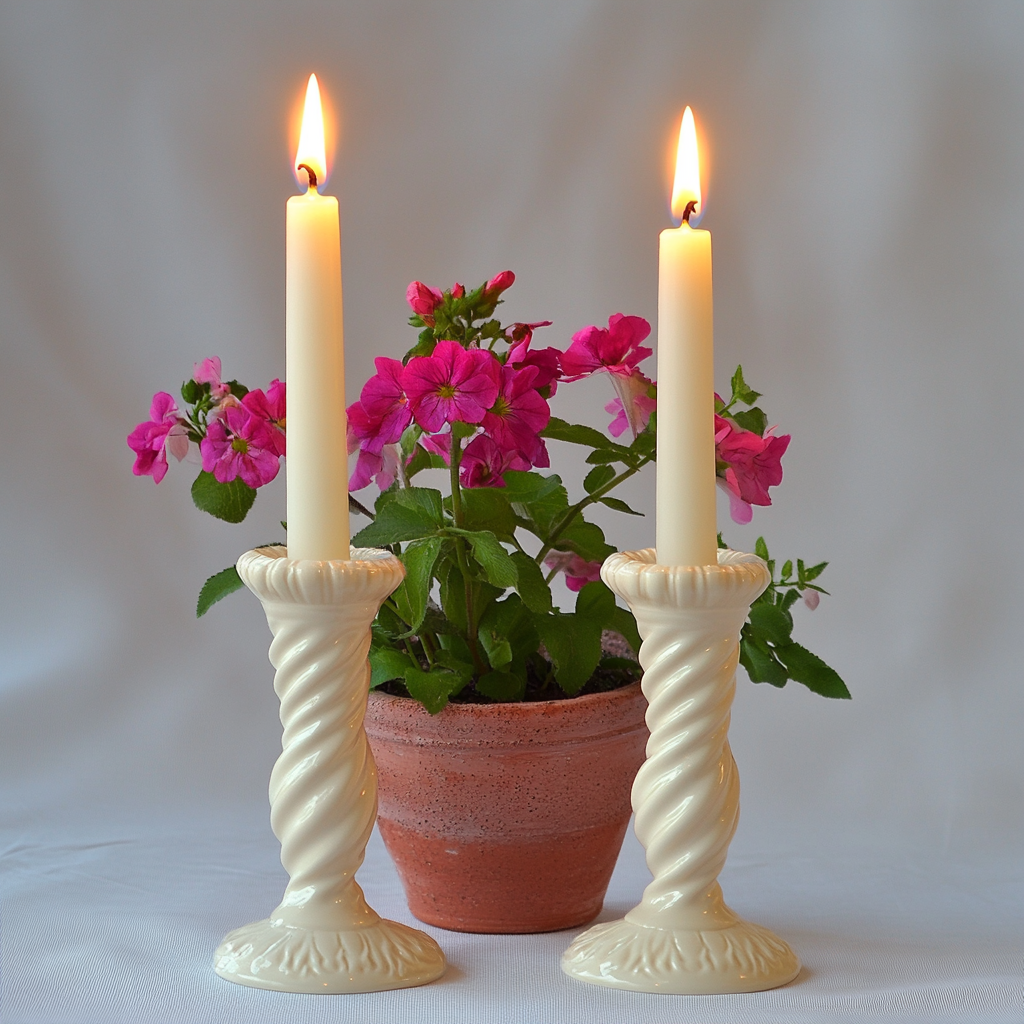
(578, 571)
(240, 444)
(270, 408)
(439, 444)
(150, 440)
(458, 291)
(208, 372)
(384, 402)
(634, 404)
(381, 467)
(423, 299)
(519, 414)
(547, 360)
(615, 349)
(753, 465)
(484, 462)
(499, 283)
(811, 599)
(453, 384)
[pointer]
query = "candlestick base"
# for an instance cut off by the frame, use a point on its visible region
(323, 789)
(682, 938)
(380, 956)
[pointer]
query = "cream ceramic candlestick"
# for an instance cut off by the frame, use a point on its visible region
(682, 938)
(323, 937)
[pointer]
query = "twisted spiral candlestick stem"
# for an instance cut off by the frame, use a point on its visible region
(323, 937)
(682, 938)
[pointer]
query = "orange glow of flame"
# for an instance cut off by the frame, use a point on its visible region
(686, 187)
(312, 149)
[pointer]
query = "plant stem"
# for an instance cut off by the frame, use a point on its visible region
(461, 556)
(590, 499)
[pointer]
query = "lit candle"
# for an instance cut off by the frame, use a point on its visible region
(317, 464)
(686, 532)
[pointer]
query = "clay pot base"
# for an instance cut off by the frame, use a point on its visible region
(506, 818)
(549, 876)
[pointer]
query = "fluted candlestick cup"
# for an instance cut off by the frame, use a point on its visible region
(682, 938)
(323, 937)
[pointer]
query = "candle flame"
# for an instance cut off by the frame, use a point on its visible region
(312, 150)
(686, 188)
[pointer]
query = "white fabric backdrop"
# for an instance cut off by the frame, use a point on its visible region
(865, 195)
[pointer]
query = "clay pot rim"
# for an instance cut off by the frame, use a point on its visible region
(508, 723)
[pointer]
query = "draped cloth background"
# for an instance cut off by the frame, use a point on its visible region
(865, 170)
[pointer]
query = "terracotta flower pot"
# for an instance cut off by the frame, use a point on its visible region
(506, 817)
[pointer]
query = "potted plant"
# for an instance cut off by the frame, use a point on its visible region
(506, 730)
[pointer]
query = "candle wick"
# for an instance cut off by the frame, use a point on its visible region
(691, 206)
(310, 172)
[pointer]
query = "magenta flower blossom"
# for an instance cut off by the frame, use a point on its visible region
(270, 407)
(753, 464)
(547, 360)
(381, 467)
(208, 372)
(615, 349)
(384, 402)
(458, 291)
(578, 571)
(439, 444)
(484, 462)
(453, 384)
(634, 405)
(519, 414)
(499, 283)
(240, 445)
(164, 430)
(423, 299)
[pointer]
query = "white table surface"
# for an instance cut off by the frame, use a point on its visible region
(116, 922)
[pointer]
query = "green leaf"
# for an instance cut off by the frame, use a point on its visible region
(422, 499)
(576, 433)
(751, 419)
(502, 686)
(761, 549)
(524, 486)
(487, 508)
(432, 689)
(586, 539)
(497, 648)
(623, 622)
(225, 582)
(771, 621)
(462, 430)
(191, 392)
(603, 456)
(495, 561)
(809, 669)
(395, 522)
(230, 502)
(596, 603)
(760, 663)
(721, 543)
(619, 505)
(453, 594)
(741, 391)
(531, 585)
(386, 664)
(815, 571)
(597, 478)
(418, 558)
(787, 569)
(574, 644)
(544, 512)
